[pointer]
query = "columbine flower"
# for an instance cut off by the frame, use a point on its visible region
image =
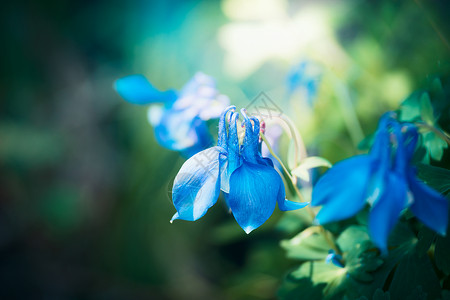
(304, 77)
(251, 185)
(386, 180)
(180, 122)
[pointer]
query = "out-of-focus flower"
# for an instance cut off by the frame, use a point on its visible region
(386, 180)
(334, 258)
(251, 185)
(305, 77)
(179, 118)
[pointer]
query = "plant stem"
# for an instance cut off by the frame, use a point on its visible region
(300, 196)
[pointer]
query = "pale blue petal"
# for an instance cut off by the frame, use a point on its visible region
(197, 185)
(429, 206)
(137, 89)
(253, 193)
(342, 189)
(179, 133)
(386, 211)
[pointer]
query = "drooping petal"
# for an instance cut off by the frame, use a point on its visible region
(197, 184)
(287, 205)
(386, 211)
(253, 193)
(283, 203)
(137, 89)
(342, 189)
(428, 206)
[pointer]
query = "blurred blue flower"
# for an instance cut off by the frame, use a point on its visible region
(304, 77)
(179, 118)
(384, 179)
(334, 258)
(251, 185)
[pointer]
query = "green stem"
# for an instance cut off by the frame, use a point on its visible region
(300, 196)
(348, 111)
(288, 174)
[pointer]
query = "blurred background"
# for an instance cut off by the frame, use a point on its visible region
(85, 196)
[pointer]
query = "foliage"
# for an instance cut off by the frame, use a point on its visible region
(417, 263)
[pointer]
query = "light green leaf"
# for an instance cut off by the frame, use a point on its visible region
(322, 272)
(426, 110)
(434, 144)
(410, 108)
(301, 171)
(310, 244)
(351, 237)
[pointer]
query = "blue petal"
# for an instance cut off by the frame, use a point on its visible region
(283, 203)
(429, 206)
(386, 211)
(234, 158)
(286, 205)
(253, 193)
(342, 189)
(251, 139)
(180, 133)
(197, 185)
(137, 89)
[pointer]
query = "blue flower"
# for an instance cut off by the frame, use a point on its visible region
(334, 258)
(179, 118)
(386, 180)
(305, 77)
(251, 185)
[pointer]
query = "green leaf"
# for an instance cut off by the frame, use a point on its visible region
(415, 277)
(426, 237)
(351, 237)
(294, 221)
(426, 110)
(435, 177)
(410, 108)
(322, 272)
(434, 144)
(301, 171)
(310, 244)
(362, 260)
(367, 142)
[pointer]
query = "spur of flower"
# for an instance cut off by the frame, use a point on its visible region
(251, 185)
(386, 180)
(178, 117)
